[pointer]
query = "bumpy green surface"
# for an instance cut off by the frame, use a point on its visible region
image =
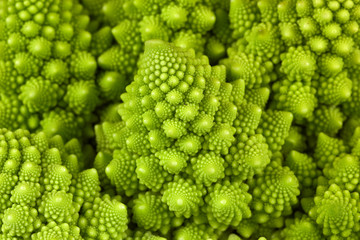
(121, 27)
(214, 119)
(44, 191)
(46, 66)
(337, 211)
(274, 124)
(188, 138)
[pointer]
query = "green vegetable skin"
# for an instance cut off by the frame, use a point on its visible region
(43, 189)
(213, 119)
(47, 78)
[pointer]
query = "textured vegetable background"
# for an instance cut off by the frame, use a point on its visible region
(179, 119)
